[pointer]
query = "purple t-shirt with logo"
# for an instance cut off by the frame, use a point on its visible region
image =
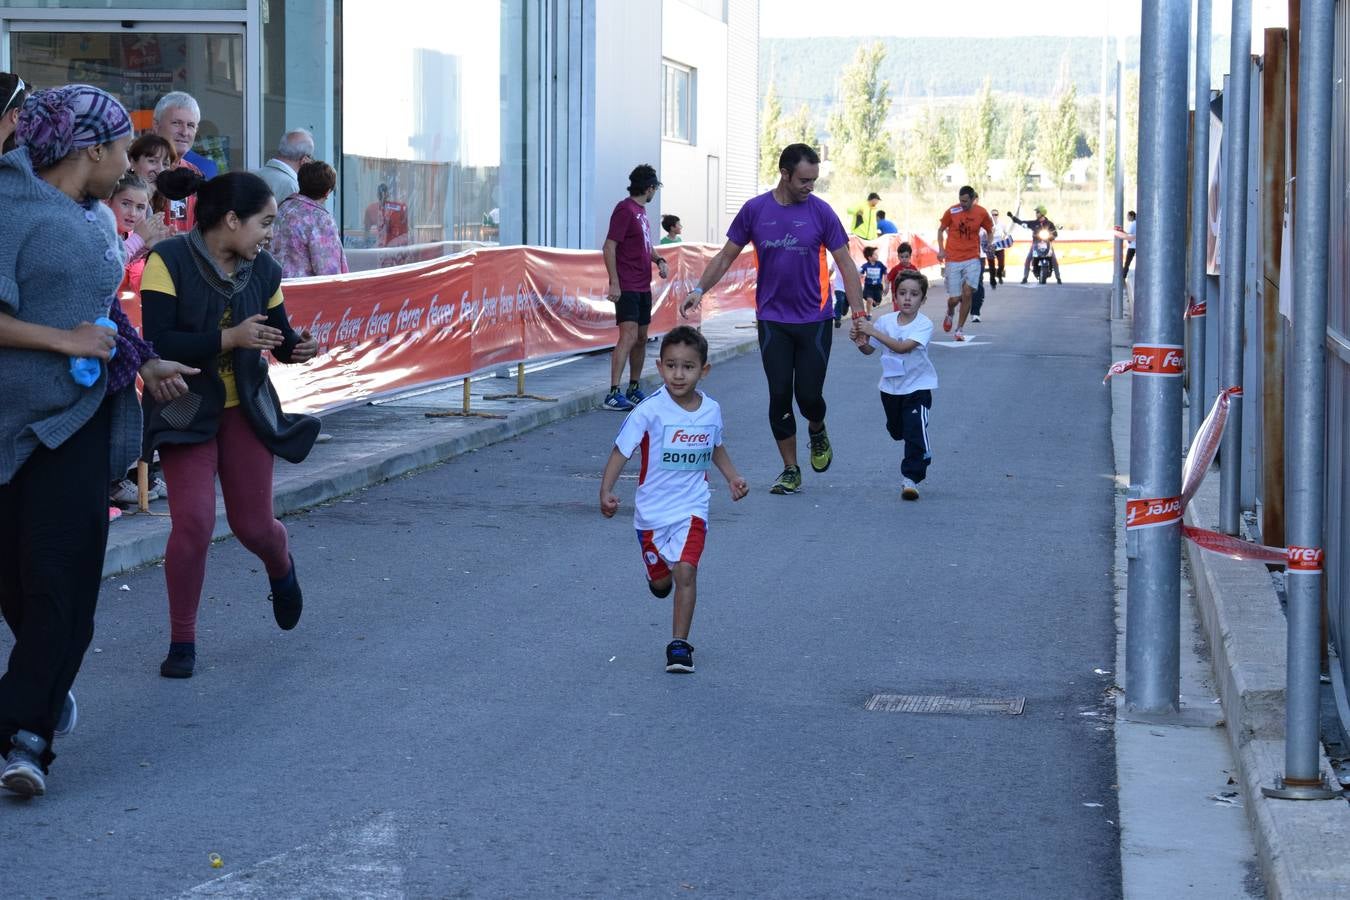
(790, 247)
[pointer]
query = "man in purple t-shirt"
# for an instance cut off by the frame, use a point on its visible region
(628, 260)
(792, 231)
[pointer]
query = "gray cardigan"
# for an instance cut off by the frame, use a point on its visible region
(61, 264)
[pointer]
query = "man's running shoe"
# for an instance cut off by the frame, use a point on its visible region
(679, 656)
(821, 453)
(909, 490)
(23, 765)
(975, 318)
(635, 395)
(790, 482)
(959, 336)
(618, 402)
(70, 714)
(947, 323)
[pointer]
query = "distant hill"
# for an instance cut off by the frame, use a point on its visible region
(804, 70)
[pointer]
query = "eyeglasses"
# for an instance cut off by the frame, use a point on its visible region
(19, 87)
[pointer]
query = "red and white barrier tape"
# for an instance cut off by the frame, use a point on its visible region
(1197, 309)
(1153, 513)
(1150, 359)
(1205, 444)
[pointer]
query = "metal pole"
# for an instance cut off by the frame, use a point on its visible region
(1195, 356)
(1305, 396)
(1233, 271)
(1153, 620)
(1101, 141)
(1118, 280)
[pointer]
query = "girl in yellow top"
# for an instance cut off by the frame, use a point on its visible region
(213, 295)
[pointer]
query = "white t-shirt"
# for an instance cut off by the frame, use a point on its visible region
(676, 448)
(905, 373)
(1129, 229)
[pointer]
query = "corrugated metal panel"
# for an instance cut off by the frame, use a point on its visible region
(742, 153)
(1336, 533)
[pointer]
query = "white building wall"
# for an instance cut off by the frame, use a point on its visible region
(694, 184)
(627, 103)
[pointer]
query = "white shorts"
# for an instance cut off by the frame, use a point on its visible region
(670, 544)
(967, 271)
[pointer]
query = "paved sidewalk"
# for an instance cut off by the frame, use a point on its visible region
(375, 442)
(1301, 846)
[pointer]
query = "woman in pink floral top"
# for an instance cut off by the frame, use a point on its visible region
(305, 238)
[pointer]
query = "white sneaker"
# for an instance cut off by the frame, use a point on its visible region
(974, 318)
(158, 490)
(124, 492)
(908, 489)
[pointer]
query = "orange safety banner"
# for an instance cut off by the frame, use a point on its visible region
(425, 323)
(1234, 547)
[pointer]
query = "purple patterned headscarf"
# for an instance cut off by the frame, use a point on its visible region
(54, 123)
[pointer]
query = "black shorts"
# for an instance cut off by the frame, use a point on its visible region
(872, 292)
(634, 306)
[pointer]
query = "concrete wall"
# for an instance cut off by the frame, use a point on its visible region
(627, 98)
(694, 39)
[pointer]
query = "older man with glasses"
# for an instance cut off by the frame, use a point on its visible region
(281, 172)
(15, 94)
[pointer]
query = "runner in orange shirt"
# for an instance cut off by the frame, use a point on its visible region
(959, 248)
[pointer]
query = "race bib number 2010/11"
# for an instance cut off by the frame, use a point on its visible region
(687, 449)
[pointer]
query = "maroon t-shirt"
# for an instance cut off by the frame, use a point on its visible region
(633, 255)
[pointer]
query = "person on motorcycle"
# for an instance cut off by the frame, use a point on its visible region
(1042, 221)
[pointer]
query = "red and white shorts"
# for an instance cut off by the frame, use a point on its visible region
(670, 544)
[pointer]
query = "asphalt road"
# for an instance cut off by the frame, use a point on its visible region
(475, 703)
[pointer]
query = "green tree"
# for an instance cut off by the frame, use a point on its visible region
(798, 129)
(925, 150)
(975, 136)
(770, 136)
(857, 124)
(1018, 149)
(1057, 140)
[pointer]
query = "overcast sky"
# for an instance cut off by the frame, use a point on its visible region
(970, 18)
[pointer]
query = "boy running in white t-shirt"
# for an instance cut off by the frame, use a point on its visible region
(679, 432)
(907, 376)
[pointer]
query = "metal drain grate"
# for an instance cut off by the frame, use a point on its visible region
(936, 703)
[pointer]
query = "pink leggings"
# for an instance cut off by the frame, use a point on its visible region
(245, 469)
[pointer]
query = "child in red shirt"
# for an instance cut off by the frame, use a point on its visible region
(905, 252)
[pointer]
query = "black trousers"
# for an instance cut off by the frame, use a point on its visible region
(998, 255)
(795, 357)
(1129, 258)
(53, 532)
(907, 420)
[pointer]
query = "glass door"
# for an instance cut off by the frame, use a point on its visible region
(141, 64)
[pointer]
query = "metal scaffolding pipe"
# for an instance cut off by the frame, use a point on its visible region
(1195, 356)
(1305, 398)
(1152, 633)
(1118, 280)
(1233, 271)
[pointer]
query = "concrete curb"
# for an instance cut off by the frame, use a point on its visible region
(1301, 845)
(349, 475)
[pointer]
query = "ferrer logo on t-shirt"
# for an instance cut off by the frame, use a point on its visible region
(687, 448)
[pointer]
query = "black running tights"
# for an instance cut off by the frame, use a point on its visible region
(795, 357)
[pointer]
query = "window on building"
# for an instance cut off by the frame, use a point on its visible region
(677, 121)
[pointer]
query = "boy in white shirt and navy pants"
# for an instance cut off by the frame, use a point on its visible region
(678, 430)
(907, 376)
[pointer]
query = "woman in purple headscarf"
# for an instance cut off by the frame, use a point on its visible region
(70, 414)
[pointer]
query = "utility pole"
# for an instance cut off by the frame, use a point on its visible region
(1153, 522)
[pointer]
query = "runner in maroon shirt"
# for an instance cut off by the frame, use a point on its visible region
(628, 260)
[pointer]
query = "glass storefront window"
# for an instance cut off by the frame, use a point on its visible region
(422, 121)
(139, 67)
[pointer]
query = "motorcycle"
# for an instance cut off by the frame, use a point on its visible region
(1042, 256)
